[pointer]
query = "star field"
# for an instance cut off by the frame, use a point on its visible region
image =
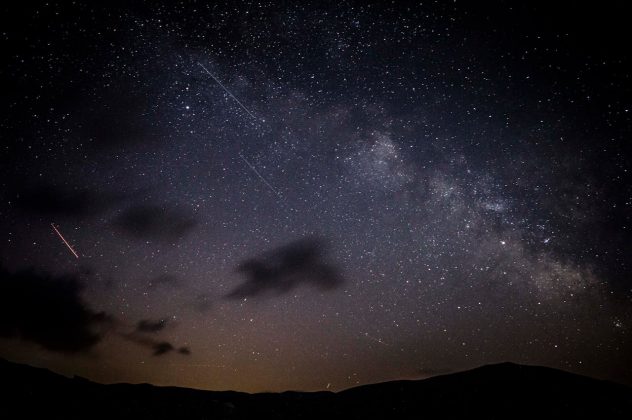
(312, 196)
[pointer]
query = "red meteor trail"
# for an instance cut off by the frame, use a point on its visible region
(63, 239)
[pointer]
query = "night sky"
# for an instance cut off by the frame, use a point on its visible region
(303, 195)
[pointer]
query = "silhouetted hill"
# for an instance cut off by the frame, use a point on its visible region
(497, 391)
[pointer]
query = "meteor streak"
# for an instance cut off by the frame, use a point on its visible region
(65, 242)
(261, 177)
(227, 91)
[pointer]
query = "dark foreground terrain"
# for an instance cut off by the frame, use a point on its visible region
(496, 391)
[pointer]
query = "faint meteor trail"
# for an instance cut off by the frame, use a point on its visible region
(227, 91)
(63, 239)
(377, 340)
(274, 190)
(261, 177)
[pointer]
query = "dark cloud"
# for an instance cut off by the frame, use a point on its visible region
(148, 326)
(284, 268)
(154, 222)
(162, 347)
(51, 200)
(158, 347)
(168, 280)
(48, 310)
(144, 335)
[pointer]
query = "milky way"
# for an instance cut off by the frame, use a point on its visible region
(310, 196)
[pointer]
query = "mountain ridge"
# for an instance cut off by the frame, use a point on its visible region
(493, 391)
